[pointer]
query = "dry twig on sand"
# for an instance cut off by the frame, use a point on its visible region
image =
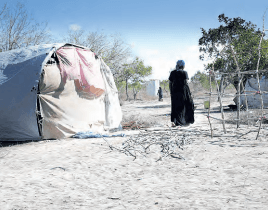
(162, 143)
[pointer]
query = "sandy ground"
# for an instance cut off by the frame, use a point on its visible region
(229, 171)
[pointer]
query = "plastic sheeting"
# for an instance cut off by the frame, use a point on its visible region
(20, 72)
(65, 106)
(113, 113)
(81, 65)
(90, 134)
(64, 110)
(251, 87)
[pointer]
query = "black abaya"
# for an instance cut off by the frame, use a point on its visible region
(182, 106)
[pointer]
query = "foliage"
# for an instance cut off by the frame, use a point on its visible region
(18, 29)
(234, 37)
(136, 87)
(134, 73)
(165, 85)
(120, 85)
(203, 79)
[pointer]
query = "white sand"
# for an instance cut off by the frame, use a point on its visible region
(219, 173)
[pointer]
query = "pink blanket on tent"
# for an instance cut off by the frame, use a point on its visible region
(81, 66)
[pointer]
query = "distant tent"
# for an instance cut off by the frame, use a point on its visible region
(53, 91)
(253, 98)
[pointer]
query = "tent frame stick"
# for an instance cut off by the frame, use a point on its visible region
(220, 101)
(258, 77)
(208, 116)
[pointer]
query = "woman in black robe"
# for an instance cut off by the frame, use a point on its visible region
(160, 94)
(182, 106)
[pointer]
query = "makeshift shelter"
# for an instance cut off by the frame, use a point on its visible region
(252, 93)
(53, 91)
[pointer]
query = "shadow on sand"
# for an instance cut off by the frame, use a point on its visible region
(15, 143)
(154, 107)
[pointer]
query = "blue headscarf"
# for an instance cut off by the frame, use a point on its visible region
(180, 63)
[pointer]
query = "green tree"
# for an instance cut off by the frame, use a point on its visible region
(203, 79)
(134, 73)
(237, 38)
(136, 87)
(165, 85)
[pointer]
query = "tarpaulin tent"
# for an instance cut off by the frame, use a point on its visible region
(251, 89)
(53, 91)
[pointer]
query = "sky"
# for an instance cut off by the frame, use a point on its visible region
(160, 32)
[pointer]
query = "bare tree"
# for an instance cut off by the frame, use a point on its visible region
(18, 29)
(112, 48)
(76, 37)
(116, 55)
(2, 11)
(98, 43)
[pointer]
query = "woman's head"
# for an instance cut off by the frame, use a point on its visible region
(180, 64)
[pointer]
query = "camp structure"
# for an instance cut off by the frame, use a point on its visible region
(53, 91)
(253, 98)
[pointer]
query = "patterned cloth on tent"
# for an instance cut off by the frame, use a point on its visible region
(81, 66)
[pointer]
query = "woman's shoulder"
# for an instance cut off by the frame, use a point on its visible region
(183, 72)
(171, 74)
(186, 74)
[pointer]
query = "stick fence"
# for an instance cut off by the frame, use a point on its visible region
(238, 95)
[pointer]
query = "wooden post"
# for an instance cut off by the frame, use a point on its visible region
(220, 100)
(238, 91)
(239, 100)
(211, 131)
(258, 77)
(246, 100)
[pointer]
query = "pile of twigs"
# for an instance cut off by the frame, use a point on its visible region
(162, 143)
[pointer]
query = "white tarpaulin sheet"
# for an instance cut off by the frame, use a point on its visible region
(67, 105)
(254, 99)
(64, 110)
(20, 72)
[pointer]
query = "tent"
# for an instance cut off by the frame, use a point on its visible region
(253, 98)
(53, 91)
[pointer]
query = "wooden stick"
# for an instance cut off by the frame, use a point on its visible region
(258, 77)
(211, 130)
(246, 100)
(221, 107)
(236, 94)
(239, 81)
(242, 72)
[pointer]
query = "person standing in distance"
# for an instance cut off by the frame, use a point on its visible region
(160, 94)
(182, 105)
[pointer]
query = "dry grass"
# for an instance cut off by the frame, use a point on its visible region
(134, 122)
(250, 118)
(141, 96)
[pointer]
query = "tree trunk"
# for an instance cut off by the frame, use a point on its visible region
(221, 87)
(135, 92)
(127, 90)
(235, 82)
